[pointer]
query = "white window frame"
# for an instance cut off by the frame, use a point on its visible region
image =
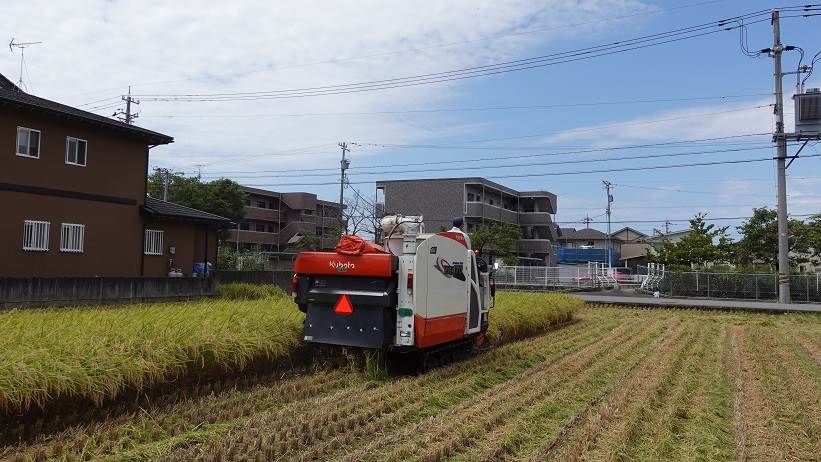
(77, 146)
(153, 242)
(72, 237)
(28, 147)
(36, 235)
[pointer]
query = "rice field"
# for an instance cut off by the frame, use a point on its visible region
(616, 384)
(98, 354)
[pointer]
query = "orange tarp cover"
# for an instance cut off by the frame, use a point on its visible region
(355, 245)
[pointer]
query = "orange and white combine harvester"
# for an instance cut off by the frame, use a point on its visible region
(420, 292)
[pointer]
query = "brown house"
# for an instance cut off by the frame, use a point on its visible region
(73, 189)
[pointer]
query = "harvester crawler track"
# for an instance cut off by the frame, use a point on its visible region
(446, 354)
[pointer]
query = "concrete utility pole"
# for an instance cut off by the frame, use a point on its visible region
(781, 157)
(607, 186)
(165, 173)
(126, 116)
(344, 164)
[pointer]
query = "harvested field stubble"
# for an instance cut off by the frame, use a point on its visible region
(617, 384)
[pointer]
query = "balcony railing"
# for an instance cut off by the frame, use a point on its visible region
(254, 213)
(492, 212)
(535, 245)
(535, 218)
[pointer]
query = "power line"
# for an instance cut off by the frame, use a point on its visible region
(583, 172)
(575, 150)
(678, 220)
(478, 71)
(438, 168)
(561, 132)
(466, 109)
(292, 173)
(656, 10)
(660, 207)
(448, 76)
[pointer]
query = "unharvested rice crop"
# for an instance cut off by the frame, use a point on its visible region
(96, 354)
(617, 384)
(48, 355)
(522, 314)
(246, 291)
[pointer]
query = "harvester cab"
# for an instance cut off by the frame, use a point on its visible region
(418, 292)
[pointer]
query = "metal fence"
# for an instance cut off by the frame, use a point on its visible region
(742, 286)
(655, 278)
(547, 278)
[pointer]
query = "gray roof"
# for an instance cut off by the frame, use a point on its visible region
(261, 192)
(477, 179)
(265, 192)
(162, 208)
(631, 229)
(587, 234)
(11, 95)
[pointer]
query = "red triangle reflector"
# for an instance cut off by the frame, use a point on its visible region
(343, 305)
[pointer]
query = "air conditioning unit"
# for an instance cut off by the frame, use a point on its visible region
(808, 112)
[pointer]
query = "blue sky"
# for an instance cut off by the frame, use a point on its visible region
(254, 46)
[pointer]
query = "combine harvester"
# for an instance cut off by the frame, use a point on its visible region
(422, 294)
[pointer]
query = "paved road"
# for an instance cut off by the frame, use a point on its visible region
(699, 303)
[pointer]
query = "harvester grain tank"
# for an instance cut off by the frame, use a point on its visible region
(420, 292)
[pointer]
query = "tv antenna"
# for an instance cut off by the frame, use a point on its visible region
(22, 46)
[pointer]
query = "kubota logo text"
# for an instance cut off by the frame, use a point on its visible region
(342, 267)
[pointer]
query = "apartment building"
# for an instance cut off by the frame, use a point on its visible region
(73, 189)
(273, 218)
(481, 202)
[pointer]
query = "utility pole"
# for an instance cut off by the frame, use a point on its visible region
(781, 157)
(586, 220)
(126, 116)
(607, 186)
(165, 173)
(344, 165)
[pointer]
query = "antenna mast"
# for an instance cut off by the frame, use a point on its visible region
(22, 46)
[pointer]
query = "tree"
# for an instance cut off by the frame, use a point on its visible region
(360, 215)
(813, 239)
(222, 197)
(498, 239)
(313, 241)
(225, 198)
(759, 239)
(704, 244)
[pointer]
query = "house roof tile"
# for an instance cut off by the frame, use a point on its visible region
(169, 209)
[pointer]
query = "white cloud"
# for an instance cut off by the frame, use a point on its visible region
(691, 123)
(94, 48)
